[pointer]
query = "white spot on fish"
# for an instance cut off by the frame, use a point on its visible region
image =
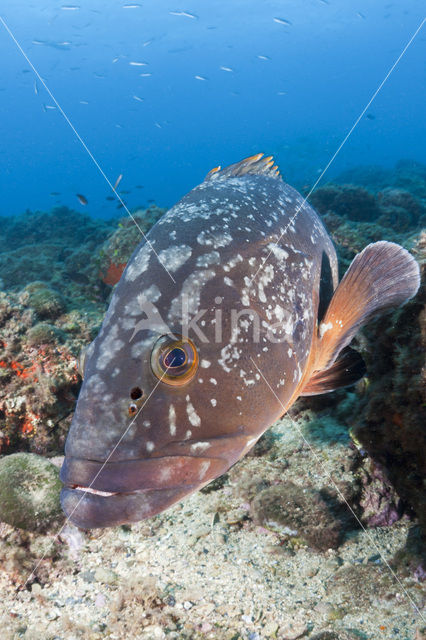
(207, 259)
(172, 420)
(204, 468)
(193, 416)
(324, 328)
(215, 239)
(200, 446)
(175, 256)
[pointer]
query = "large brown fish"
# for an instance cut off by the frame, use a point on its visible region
(173, 390)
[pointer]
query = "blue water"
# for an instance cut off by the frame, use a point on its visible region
(293, 90)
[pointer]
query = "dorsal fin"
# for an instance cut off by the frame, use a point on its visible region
(255, 165)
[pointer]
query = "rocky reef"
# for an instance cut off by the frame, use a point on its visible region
(57, 270)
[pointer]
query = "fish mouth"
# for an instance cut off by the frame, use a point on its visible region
(98, 494)
(91, 509)
(95, 492)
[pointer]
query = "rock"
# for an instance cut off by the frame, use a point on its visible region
(391, 414)
(310, 515)
(46, 302)
(346, 200)
(29, 492)
(343, 634)
(379, 502)
(43, 333)
(106, 576)
(399, 208)
(293, 630)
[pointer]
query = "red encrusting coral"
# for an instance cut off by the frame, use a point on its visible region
(113, 273)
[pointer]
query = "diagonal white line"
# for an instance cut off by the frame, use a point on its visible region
(123, 435)
(84, 145)
(339, 148)
(320, 463)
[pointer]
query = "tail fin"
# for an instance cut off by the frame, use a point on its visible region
(383, 275)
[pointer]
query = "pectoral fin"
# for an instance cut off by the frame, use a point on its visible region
(346, 370)
(383, 275)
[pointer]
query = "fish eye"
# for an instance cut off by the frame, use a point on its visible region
(174, 359)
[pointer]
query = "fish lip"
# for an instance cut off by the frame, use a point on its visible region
(98, 492)
(138, 475)
(88, 510)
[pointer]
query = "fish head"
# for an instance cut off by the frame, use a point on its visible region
(163, 408)
(171, 397)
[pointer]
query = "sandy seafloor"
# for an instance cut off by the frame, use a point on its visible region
(204, 570)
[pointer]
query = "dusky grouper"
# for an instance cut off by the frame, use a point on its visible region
(175, 386)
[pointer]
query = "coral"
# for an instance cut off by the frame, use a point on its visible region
(39, 379)
(314, 516)
(29, 492)
(42, 331)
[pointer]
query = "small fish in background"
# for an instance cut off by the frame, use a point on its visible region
(110, 198)
(55, 193)
(134, 63)
(117, 182)
(263, 57)
(138, 99)
(131, 6)
(162, 412)
(147, 43)
(70, 7)
(185, 14)
(283, 21)
(49, 107)
(361, 15)
(82, 199)
(139, 186)
(370, 116)
(114, 60)
(200, 77)
(145, 75)
(125, 191)
(158, 125)
(35, 87)
(226, 69)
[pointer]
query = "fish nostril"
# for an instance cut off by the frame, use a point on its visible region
(136, 393)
